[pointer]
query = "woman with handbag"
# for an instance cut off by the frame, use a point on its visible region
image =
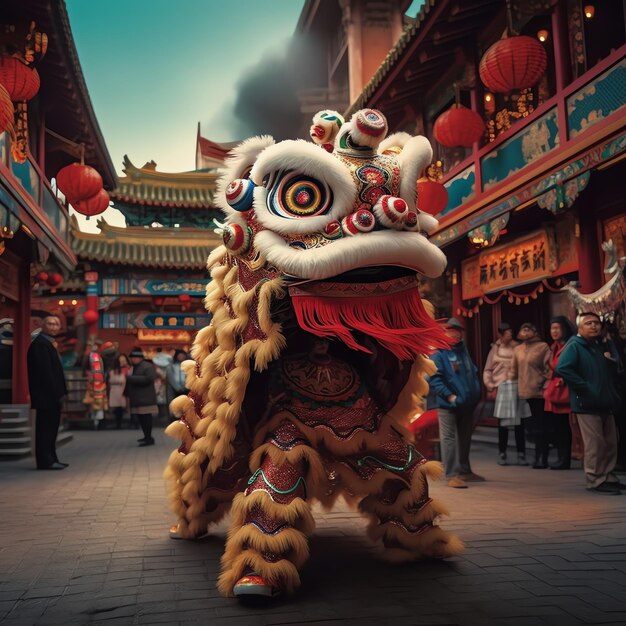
(556, 395)
(495, 373)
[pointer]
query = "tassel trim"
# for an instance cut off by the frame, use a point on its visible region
(398, 321)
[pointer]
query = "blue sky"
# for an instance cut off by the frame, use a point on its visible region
(155, 68)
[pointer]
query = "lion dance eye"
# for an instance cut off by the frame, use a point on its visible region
(297, 195)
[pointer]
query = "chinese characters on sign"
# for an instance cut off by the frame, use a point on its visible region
(523, 261)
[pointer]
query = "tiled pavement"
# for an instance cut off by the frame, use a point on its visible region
(89, 545)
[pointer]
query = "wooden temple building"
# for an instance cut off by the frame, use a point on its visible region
(146, 281)
(536, 191)
(50, 127)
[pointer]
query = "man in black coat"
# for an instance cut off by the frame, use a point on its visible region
(46, 382)
(142, 394)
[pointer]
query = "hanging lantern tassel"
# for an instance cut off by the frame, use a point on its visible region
(19, 145)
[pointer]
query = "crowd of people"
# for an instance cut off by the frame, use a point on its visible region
(532, 387)
(118, 386)
(535, 388)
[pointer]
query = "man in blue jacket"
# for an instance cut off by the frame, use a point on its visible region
(589, 366)
(455, 390)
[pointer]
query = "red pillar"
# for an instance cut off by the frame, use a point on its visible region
(588, 249)
(91, 302)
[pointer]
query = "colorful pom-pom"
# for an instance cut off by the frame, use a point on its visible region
(240, 194)
(236, 238)
(371, 122)
(361, 221)
(332, 230)
(411, 222)
(391, 211)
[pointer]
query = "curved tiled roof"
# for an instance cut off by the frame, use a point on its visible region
(69, 111)
(176, 248)
(147, 187)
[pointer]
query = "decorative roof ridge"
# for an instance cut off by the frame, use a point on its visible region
(410, 31)
(154, 234)
(148, 173)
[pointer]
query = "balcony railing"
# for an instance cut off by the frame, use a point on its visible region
(36, 185)
(555, 126)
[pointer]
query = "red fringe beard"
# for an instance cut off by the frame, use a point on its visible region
(391, 312)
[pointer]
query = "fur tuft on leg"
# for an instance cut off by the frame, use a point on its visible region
(282, 574)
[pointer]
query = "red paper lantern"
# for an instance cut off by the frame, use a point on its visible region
(458, 126)
(54, 279)
(158, 301)
(90, 316)
(513, 63)
(79, 182)
(93, 206)
(7, 111)
(41, 278)
(21, 81)
(184, 297)
(432, 197)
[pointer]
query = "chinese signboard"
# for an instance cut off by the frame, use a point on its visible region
(188, 321)
(523, 261)
(150, 287)
(163, 336)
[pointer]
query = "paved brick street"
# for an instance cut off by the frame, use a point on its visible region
(89, 545)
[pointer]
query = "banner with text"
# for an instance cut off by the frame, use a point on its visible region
(523, 261)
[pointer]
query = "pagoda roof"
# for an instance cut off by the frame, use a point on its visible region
(168, 248)
(147, 187)
(69, 111)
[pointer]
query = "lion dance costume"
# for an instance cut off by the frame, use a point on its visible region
(302, 385)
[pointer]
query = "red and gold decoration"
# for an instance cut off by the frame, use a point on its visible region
(487, 234)
(7, 110)
(22, 49)
(82, 185)
(21, 81)
(513, 296)
(513, 63)
(94, 205)
(432, 196)
(41, 278)
(55, 279)
(526, 260)
(458, 126)
(90, 316)
(79, 183)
